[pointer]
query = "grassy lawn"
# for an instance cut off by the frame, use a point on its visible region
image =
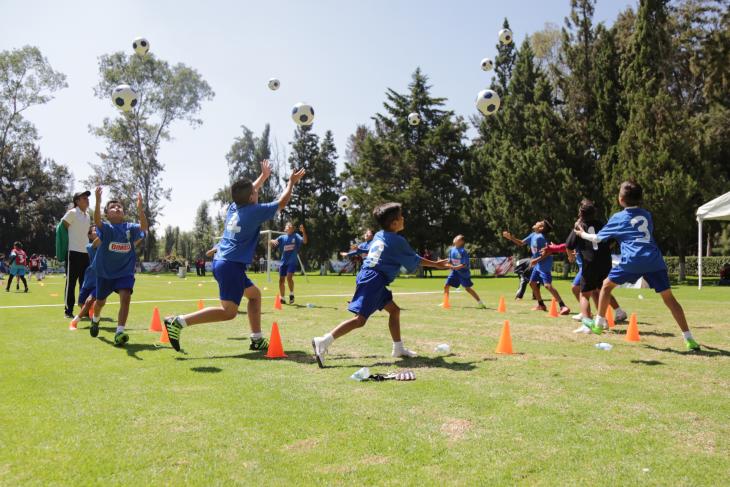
(78, 411)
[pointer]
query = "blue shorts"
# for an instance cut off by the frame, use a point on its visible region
(657, 280)
(288, 268)
(540, 276)
(455, 280)
(17, 270)
(578, 276)
(104, 287)
(84, 293)
(232, 280)
(371, 293)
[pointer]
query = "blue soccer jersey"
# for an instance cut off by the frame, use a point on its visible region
(90, 273)
(243, 225)
(289, 246)
(362, 248)
(388, 252)
(633, 229)
(459, 256)
(537, 241)
(115, 256)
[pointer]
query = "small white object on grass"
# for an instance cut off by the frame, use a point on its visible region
(641, 296)
(442, 348)
(604, 346)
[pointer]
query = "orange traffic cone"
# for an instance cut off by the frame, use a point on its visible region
(156, 324)
(163, 336)
(502, 307)
(553, 308)
(505, 340)
(276, 350)
(632, 332)
(446, 304)
(200, 304)
(277, 302)
(609, 318)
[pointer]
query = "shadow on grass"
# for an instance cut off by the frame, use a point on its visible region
(206, 370)
(706, 351)
(294, 356)
(647, 362)
(133, 349)
(411, 363)
(316, 306)
(647, 333)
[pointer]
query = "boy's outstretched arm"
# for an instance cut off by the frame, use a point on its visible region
(436, 264)
(144, 225)
(305, 239)
(211, 252)
(97, 207)
(286, 195)
(265, 173)
(512, 239)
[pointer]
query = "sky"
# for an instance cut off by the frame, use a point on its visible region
(340, 56)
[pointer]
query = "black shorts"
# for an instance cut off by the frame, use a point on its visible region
(593, 276)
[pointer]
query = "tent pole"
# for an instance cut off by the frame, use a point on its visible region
(699, 253)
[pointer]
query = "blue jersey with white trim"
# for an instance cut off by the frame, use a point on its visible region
(633, 229)
(243, 225)
(388, 252)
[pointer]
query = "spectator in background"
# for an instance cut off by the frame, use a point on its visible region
(725, 275)
(76, 223)
(428, 255)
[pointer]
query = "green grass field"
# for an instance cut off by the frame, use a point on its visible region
(78, 411)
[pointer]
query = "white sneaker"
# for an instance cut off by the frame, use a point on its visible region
(403, 352)
(620, 316)
(583, 329)
(578, 317)
(320, 348)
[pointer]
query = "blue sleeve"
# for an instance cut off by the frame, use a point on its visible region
(407, 257)
(135, 231)
(266, 211)
(104, 232)
(527, 239)
(280, 239)
(612, 229)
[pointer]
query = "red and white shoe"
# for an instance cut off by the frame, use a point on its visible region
(564, 311)
(539, 307)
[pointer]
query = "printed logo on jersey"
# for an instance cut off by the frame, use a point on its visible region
(289, 247)
(120, 247)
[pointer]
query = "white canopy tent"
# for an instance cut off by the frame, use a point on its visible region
(717, 209)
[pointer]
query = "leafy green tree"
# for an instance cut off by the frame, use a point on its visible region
(203, 231)
(166, 93)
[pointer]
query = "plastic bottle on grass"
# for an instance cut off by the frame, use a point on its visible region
(442, 348)
(604, 346)
(361, 374)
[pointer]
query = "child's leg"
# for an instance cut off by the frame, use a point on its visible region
(290, 280)
(447, 288)
(10, 280)
(98, 306)
(225, 312)
(535, 286)
(253, 294)
(576, 292)
(605, 297)
(614, 303)
(551, 289)
(585, 303)
(125, 297)
(473, 293)
(282, 289)
(676, 309)
(348, 325)
(393, 321)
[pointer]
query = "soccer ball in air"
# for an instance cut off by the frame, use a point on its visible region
(274, 84)
(505, 36)
(343, 202)
(414, 118)
(487, 64)
(487, 102)
(302, 114)
(141, 46)
(124, 97)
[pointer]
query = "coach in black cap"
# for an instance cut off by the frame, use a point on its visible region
(77, 222)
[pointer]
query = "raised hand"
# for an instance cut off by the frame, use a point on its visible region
(97, 192)
(507, 235)
(297, 176)
(265, 168)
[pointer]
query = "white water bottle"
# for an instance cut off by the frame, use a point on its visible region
(442, 348)
(361, 374)
(604, 346)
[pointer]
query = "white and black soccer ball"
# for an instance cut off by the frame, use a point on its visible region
(344, 202)
(505, 36)
(141, 46)
(302, 114)
(124, 97)
(487, 64)
(274, 84)
(487, 102)
(414, 118)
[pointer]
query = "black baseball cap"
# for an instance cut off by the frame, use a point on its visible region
(79, 195)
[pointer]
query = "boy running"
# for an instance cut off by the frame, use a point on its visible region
(115, 261)
(460, 274)
(542, 265)
(235, 251)
(633, 228)
(357, 250)
(388, 252)
(289, 245)
(87, 293)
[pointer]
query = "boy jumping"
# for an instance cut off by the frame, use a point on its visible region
(388, 252)
(633, 228)
(460, 274)
(235, 251)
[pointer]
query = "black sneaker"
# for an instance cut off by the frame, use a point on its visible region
(94, 329)
(68, 315)
(260, 344)
(291, 299)
(173, 332)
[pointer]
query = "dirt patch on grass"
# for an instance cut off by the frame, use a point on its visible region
(455, 429)
(305, 444)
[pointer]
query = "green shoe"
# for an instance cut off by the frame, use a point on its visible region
(260, 344)
(481, 306)
(94, 330)
(591, 324)
(120, 338)
(174, 328)
(692, 345)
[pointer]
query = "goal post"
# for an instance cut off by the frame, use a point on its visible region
(268, 234)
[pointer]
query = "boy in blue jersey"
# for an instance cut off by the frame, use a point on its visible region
(633, 229)
(289, 246)
(357, 250)
(87, 293)
(388, 252)
(460, 274)
(115, 261)
(542, 265)
(235, 252)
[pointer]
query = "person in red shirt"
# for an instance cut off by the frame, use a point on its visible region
(18, 261)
